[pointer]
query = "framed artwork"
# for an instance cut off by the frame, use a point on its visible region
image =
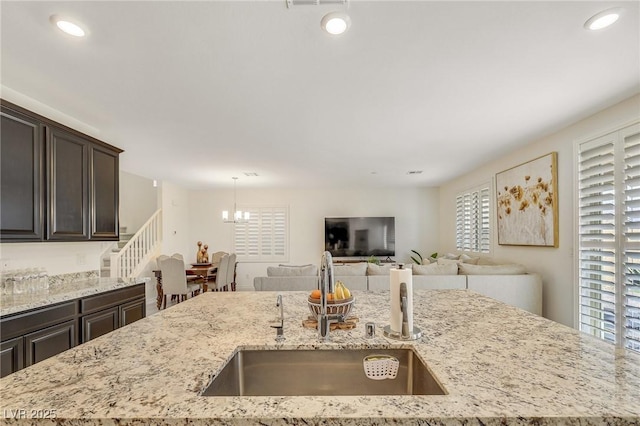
(527, 202)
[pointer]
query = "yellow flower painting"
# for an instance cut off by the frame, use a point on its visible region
(527, 203)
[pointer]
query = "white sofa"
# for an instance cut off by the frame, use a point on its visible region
(507, 283)
(288, 277)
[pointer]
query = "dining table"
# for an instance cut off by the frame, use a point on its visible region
(197, 272)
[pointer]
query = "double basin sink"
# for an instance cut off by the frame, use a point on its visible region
(320, 372)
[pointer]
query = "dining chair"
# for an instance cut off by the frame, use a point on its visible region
(220, 280)
(215, 257)
(231, 272)
(174, 278)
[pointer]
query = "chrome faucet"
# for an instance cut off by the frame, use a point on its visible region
(280, 328)
(326, 286)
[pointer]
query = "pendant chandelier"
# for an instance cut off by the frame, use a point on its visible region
(238, 215)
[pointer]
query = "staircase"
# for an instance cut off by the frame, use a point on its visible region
(134, 251)
(105, 269)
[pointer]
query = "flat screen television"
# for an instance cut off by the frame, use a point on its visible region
(360, 236)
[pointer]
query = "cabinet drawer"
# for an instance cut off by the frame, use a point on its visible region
(24, 323)
(51, 341)
(112, 298)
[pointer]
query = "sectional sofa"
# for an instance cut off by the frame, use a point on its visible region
(509, 283)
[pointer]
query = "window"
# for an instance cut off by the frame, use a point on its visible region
(265, 238)
(609, 237)
(472, 220)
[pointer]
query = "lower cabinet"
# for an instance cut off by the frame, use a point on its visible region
(50, 341)
(103, 322)
(30, 337)
(105, 312)
(132, 311)
(11, 356)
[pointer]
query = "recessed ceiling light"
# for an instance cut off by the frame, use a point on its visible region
(68, 26)
(603, 19)
(335, 23)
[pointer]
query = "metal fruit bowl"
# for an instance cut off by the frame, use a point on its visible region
(341, 306)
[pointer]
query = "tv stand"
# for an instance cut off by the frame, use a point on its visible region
(340, 260)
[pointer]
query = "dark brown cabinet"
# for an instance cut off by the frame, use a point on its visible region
(11, 356)
(57, 184)
(21, 177)
(68, 193)
(132, 312)
(32, 336)
(105, 312)
(46, 343)
(104, 194)
(103, 322)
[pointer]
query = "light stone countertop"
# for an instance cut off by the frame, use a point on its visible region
(499, 365)
(16, 303)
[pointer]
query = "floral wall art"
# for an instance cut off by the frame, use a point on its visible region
(527, 201)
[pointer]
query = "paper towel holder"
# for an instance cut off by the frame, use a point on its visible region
(415, 334)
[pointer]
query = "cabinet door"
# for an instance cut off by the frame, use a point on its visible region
(104, 194)
(68, 192)
(132, 311)
(51, 341)
(95, 325)
(11, 356)
(21, 202)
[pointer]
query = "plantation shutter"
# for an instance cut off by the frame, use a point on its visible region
(609, 237)
(265, 238)
(631, 292)
(473, 221)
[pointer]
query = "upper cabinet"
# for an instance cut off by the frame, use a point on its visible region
(104, 171)
(57, 184)
(67, 189)
(21, 177)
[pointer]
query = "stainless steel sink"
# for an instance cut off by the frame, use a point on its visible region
(320, 372)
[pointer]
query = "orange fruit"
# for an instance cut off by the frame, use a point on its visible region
(315, 294)
(330, 296)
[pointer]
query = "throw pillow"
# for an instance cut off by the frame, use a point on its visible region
(469, 259)
(350, 270)
(435, 269)
(373, 269)
(443, 261)
(294, 266)
(287, 271)
(451, 256)
(509, 269)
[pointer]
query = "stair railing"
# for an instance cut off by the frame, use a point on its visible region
(140, 248)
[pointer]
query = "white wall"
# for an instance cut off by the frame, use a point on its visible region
(415, 210)
(57, 258)
(138, 201)
(556, 265)
(174, 200)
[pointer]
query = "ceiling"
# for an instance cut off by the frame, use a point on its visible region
(198, 92)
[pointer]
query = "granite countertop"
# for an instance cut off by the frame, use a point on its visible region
(16, 303)
(499, 365)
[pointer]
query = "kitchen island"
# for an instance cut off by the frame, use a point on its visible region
(498, 364)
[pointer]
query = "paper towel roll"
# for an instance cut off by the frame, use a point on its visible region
(396, 277)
